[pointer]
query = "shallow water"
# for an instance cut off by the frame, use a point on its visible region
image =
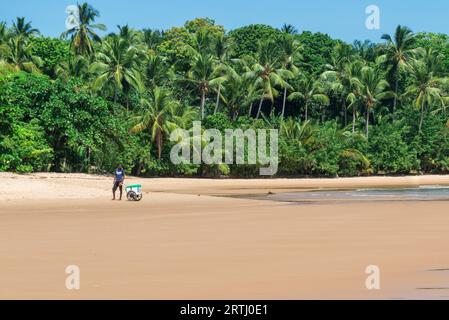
(424, 193)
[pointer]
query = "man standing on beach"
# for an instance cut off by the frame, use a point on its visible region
(119, 180)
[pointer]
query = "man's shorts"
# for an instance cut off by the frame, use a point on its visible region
(118, 184)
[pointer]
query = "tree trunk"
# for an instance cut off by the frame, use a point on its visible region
(395, 95)
(57, 167)
(235, 114)
(353, 120)
(203, 101)
(345, 112)
(159, 146)
(422, 116)
(159, 143)
(218, 100)
(139, 168)
(323, 115)
(251, 109)
(307, 112)
(283, 103)
(367, 123)
(260, 107)
(88, 159)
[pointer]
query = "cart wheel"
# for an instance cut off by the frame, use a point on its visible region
(138, 197)
(131, 195)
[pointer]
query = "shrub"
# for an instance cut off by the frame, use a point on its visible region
(26, 149)
(389, 152)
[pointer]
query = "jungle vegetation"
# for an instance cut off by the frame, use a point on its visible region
(90, 99)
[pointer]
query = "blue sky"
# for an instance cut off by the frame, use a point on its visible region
(343, 19)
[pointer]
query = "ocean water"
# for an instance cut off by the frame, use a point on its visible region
(424, 193)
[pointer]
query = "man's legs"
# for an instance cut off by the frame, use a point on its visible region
(121, 190)
(114, 189)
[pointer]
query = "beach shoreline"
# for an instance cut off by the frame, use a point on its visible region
(85, 186)
(191, 239)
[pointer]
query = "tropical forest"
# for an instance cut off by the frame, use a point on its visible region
(99, 96)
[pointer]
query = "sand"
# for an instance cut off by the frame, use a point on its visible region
(188, 240)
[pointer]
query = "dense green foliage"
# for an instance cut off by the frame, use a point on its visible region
(86, 103)
(52, 52)
(246, 40)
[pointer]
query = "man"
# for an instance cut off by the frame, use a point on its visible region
(118, 181)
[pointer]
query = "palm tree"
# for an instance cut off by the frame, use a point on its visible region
(20, 28)
(201, 75)
(399, 50)
(289, 29)
(300, 132)
(308, 91)
(157, 70)
(201, 43)
(374, 89)
(73, 67)
(221, 48)
(267, 74)
(366, 50)
(3, 33)
(235, 90)
(434, 61)
(181, 116)
(156, 116)
(354, 102)
(152, 38)
(291, 54)
(353, 72)
(117, 66)
(426, 87)
(208, 57)
(84, 35)
(253, 92)
(128, 34)
(336, 75)
(17, 52)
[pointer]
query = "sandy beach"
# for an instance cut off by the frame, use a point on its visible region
(191, 239)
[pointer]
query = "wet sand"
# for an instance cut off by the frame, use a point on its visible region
(185, 241)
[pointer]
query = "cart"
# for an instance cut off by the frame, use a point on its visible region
(134, 192)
